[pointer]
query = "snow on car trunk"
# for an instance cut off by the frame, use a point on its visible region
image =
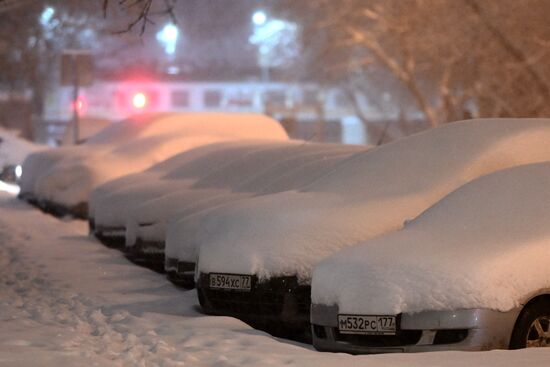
(238, 180)
(68, 175)
(485, 245)
(368, 195)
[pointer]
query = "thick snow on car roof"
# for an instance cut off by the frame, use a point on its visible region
(87, 127)
(191, 164)
(239, 125)
(183, 234)
(242, 178)
(134, 145)
(254, 165)
(485, 245)
(113, 207)
(368, 195)
(248, 174)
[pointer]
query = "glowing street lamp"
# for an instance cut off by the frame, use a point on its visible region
(168, 36)
(139, 100)
(47, 15)
(275, 40)
(259, 17)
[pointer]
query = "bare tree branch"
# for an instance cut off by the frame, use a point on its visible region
(145, 12)
(514, 51)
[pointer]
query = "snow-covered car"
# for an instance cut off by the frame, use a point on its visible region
(248, 176)
(63, 178)
(470, 273)
(13, 151)
(181, 248)
(256, 257)
(112, 203)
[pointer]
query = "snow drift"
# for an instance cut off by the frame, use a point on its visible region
(68, 301)
(485, 245)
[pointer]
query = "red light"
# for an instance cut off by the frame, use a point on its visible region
(78, 106)
(139, 100)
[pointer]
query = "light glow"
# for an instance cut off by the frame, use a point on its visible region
(168, 36)
(79, 105)
(259, 17)
(18, 171)
(9, 188)
(47, 15)
(139, 100)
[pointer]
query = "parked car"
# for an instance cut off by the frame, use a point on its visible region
(60, 180)
(255, 257)
(238, 180)
(13, 151)
(470, 273)
(112, 202)
(181, 231)
(143, 178)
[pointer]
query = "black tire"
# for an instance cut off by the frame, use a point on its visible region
(525, 327)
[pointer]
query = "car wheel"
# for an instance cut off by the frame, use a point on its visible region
(532, 328)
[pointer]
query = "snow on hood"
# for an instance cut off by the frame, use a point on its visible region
(485, 245)
(239, 179)
(68, 175)
(13, 149)
(368, 195)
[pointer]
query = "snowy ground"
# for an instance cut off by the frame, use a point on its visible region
(65, 299)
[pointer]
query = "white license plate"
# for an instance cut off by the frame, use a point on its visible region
(367, 324)
(230, 281)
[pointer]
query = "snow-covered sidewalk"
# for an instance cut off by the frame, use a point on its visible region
(67, 300)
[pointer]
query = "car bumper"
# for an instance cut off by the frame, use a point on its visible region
(147, 253)
(465, 330)
(79, 211)
(114, 237)
(181, 273)
(280, 301)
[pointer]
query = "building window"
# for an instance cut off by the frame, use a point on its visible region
(343, 100)
(275, 98)
(180, 98)
(310, 98)
(212, 98)
(240, 99)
